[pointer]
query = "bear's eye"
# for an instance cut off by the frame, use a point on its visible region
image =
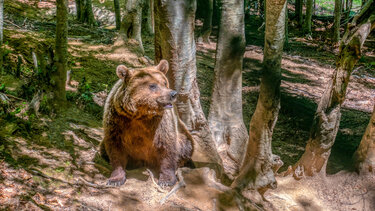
(153, 87)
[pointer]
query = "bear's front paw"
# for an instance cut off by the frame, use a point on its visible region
(117, 178)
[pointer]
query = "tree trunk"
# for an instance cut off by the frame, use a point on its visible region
(349, 5)
(131, 24)
(286, 43)
(79, 9)
(260, 164)
(336, 25)
(147, 21)
(1, 32)
(365, 154)
(225, 116)
(299, 14)
(207, 23)
(117, 13)
(58, 77)
(174, 41)
(327, 117)
(89, 15)
(308, 17)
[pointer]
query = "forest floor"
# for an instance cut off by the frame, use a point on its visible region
(51, 163)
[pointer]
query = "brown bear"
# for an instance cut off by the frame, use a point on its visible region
(141, 126)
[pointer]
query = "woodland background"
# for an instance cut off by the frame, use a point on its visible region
(266, 83)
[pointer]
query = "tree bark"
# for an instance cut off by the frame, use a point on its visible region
(205, 32)
(174, 41)
(89, 15)
(327, 117)
(117, 13)
(336, 25)
(299, 14)
(58, 77)
(147, 20)
(260, 164)
(225, 115)
(308, 17)
(365, 155)
(1, 32)
(349, 5)
(131, 25)
(79, 9)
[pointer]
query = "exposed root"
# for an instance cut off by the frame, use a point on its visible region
(153, 181)
(180, 184)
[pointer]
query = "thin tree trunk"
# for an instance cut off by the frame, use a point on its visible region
(61, 54)
(336, 26)
(89, 14)
(299, 14)
(152, 16)
(260, 164)
(1, 32)
(286, 43)
(327, 117)
(117, 13)
(174, 41)
(207, 23)
(78, 9)
(131, 24)
(147, 20)
(365, 154)
(225, 116)
(308, 17)
(349, 5)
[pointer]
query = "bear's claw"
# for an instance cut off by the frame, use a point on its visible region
(165, 184)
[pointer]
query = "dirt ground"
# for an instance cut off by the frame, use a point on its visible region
(52, 163)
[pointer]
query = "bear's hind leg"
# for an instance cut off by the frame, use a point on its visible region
(118, 159)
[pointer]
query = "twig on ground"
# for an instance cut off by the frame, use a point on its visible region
(12, 24)
(93, 185)
(153, 181)
(39, 173)
(17, 98)
(180, 184)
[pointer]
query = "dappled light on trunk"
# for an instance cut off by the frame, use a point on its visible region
(174, 41)
(327, 117)
(260, 165)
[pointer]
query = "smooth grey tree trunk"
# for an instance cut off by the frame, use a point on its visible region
(117, 13)
(327, 117)
(336, 25)
(225, 115)
(58, 77)
(174, 41)
(131, 24)
(308, 17)
(365, 154)
(259, 165)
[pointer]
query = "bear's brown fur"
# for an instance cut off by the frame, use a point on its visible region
(140, 126)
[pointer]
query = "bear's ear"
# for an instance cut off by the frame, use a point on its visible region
(163, 66)
(123, 72)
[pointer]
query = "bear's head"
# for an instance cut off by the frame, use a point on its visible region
(144, 91)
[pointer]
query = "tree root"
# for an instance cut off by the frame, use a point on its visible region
(153, 181)
(180, 184)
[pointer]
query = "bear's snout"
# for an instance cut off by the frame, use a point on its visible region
(173, 95)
